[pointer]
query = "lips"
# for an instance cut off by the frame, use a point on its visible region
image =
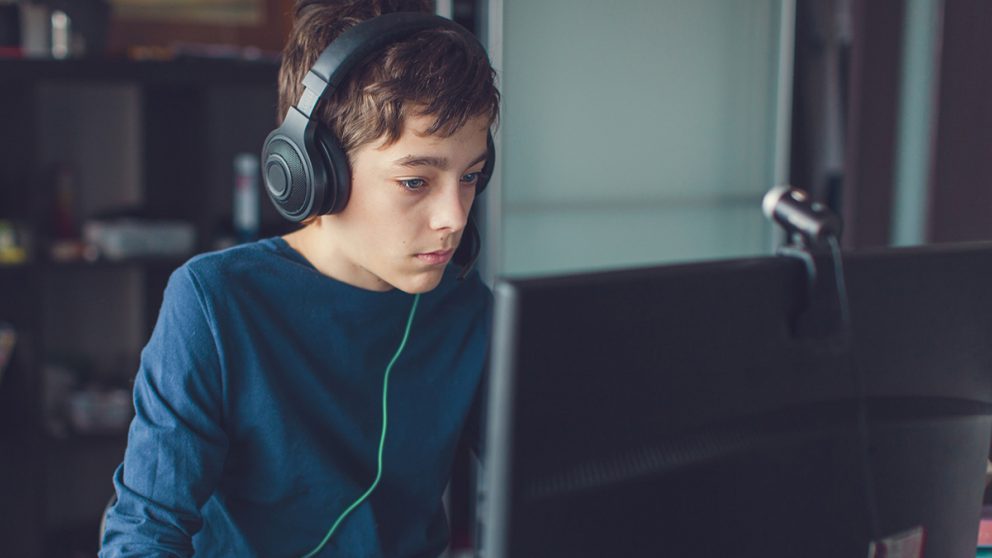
(436, 258)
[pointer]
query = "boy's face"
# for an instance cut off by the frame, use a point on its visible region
(408, 208)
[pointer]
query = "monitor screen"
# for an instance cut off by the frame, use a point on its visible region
(680, 411)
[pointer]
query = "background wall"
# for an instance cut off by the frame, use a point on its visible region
(632, 135)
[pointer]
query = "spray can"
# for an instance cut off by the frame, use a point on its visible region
(61, 35)
(246, 210)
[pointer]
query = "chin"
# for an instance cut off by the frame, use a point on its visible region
(418, 283)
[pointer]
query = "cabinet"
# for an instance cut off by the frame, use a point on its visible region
(80, 138)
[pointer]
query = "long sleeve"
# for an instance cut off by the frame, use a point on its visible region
(176, 443)
(259, 412)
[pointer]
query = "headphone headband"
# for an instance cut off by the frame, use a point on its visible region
(355, 44)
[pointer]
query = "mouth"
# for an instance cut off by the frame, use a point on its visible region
(439, 257)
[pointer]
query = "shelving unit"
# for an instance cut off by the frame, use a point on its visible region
(157, 135)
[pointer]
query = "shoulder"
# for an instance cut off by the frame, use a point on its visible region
(236, 261)
(223, 278)
(251, 268)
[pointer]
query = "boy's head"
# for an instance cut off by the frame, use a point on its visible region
(412, 120)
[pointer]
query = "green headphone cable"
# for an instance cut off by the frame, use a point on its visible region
(382, 437)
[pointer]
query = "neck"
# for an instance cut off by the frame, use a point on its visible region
(315, 243)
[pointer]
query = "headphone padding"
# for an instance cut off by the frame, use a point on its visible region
(338, 185)
(469, 248)
(488, 166)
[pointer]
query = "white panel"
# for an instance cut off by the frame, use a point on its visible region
(604, 101)
(551, 242)
(611, 109)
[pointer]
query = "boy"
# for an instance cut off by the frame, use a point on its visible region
(303, 395)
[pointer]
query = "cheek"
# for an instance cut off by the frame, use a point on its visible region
(394, 220)
(384, 219)
(370, 203)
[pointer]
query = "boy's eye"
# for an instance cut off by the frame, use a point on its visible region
(413, 184)
(471, 178)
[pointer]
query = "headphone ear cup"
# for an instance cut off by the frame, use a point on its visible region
(488, 166)
(284, 172)
(469, 248)
(337, 190)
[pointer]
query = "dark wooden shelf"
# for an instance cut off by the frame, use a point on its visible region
(174, 126)
(127, 263)
(96, 441)
(193, 71)
(154, 263)
(16, 268)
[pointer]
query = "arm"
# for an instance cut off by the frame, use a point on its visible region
(176, 443)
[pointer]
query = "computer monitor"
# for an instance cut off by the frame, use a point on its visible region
(677, 411)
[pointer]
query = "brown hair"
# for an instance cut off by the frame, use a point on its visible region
(435, 72)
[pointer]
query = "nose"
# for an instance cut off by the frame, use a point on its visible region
(451, 206)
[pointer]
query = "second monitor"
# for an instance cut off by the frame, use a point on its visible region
(675, 411)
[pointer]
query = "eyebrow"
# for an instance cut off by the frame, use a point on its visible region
(431, 161)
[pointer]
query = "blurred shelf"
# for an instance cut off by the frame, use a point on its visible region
(158, 264)
(90, 440)
(15, 268)
(145, 262)
(197, 111)
(178, 71)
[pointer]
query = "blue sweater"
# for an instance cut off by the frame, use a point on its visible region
(258, 412)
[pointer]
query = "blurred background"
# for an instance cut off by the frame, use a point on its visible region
(636, 133)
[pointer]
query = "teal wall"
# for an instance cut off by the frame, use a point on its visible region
(633, 132)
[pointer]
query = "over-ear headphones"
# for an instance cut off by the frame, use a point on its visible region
(304, 167)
